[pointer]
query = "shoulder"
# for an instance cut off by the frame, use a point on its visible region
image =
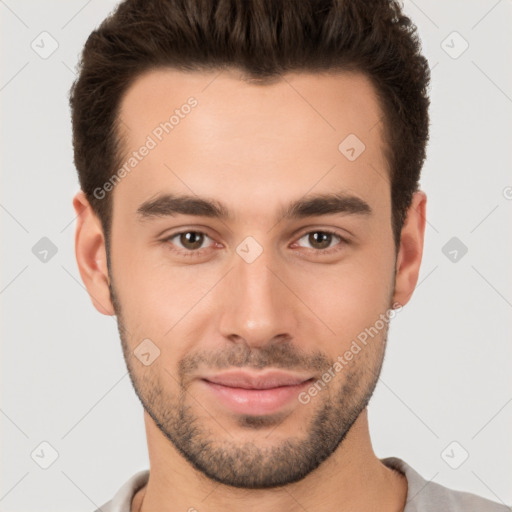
(121, 502)
(427, 496)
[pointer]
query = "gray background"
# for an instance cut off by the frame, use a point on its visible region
(446, 375)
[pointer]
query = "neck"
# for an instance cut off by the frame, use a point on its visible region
(352, 478)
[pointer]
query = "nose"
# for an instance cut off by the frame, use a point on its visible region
(260, 308)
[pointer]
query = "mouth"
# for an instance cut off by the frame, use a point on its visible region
(256, 393)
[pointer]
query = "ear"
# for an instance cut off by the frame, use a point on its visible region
(91, 255)
(411, 249)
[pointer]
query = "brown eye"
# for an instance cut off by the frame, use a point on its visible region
(187, 243)
(320, 240)
(191, 240)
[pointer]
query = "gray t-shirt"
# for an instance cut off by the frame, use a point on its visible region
(422, 495)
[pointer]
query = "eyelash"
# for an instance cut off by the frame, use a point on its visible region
(199, 252)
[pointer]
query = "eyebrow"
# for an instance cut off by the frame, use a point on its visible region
(171, 205)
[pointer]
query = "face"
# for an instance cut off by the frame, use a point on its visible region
(245, 308)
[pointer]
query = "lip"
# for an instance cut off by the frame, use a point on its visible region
(257, 393)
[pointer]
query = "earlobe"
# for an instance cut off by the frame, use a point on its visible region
(411, 249)
(91, 255)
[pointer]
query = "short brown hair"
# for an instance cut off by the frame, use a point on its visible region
(263, 39)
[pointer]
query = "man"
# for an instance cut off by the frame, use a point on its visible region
(250, 212)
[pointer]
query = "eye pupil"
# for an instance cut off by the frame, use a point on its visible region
(191, 239)
(324, 239)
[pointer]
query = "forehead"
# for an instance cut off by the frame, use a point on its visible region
(215, 134)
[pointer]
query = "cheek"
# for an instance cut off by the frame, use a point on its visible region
(164, 304)
(145, 282)
(342, 301)
(347, 294)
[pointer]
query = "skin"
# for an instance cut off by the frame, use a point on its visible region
(254, 148)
